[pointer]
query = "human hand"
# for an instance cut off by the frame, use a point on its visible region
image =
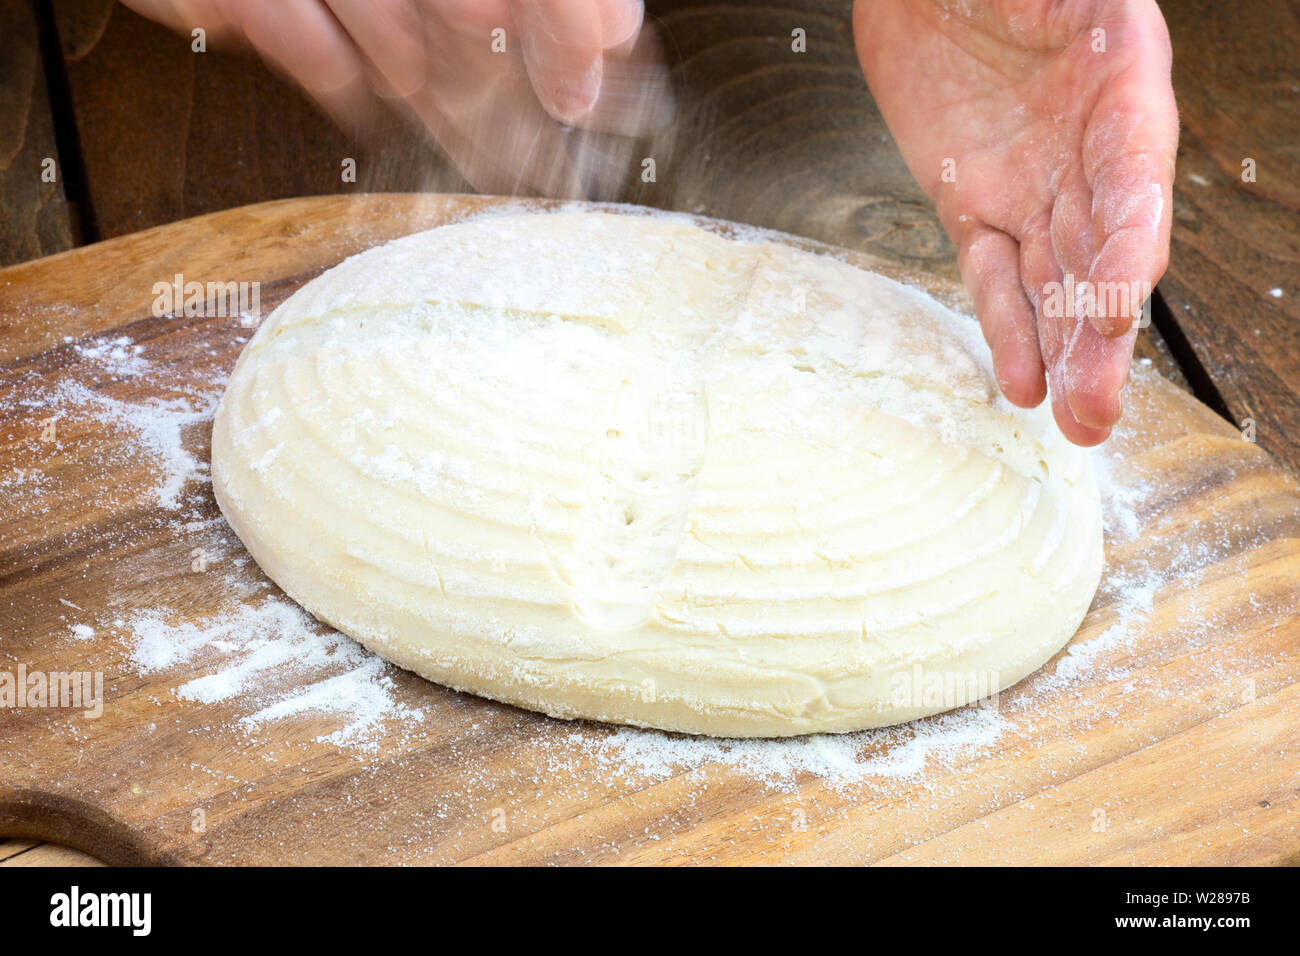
(1046, 133)
(504, 105)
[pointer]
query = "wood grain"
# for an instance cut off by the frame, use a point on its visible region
(34, 853)
(1181, 735)
(34, 216)
(1238, 85)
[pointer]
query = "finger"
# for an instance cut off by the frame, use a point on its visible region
(213, 16)
(620, 22)
(990, 267)
(1095, 369)
(479, 106)
(1073, 241)
(562, 43)
(474, 19)
(1133, 218)
(302, 38)
(465, 63)
(391, 35)
(1128, 152)
(1041, 278)
(1074, 430)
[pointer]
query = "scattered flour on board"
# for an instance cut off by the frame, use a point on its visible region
(840, 760)
(267, 661)
(119, 356)
(270, 655)
(159, 426)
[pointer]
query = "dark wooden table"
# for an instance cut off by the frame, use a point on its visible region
(143, 131)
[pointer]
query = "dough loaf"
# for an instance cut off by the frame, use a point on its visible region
(624, 468)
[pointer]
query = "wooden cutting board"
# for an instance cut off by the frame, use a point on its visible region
(1166, 733)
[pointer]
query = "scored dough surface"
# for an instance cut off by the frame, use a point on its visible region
(624, 468)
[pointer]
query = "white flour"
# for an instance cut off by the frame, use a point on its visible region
(119, 357)
(268, 654)
(838, 759)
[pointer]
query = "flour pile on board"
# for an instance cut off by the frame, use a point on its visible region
(841, 760)
(118, 356)
(272, 659)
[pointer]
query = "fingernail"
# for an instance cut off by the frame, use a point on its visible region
(576, 97)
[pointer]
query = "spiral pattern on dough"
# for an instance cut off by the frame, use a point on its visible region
(624, 468)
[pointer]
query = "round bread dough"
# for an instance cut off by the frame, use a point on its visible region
(624, 468)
